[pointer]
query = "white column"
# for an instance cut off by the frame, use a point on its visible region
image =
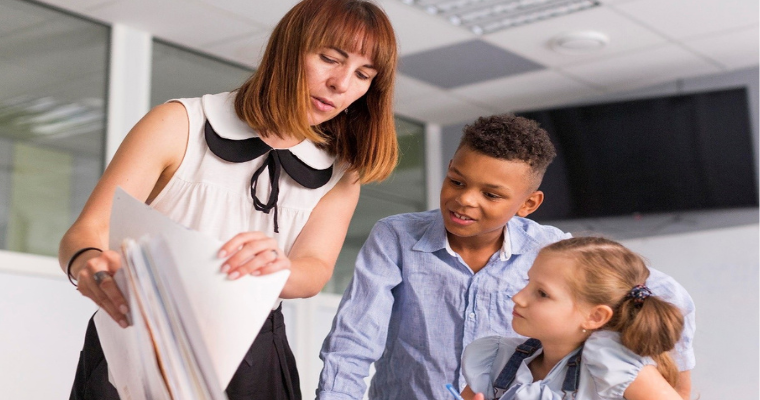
(308, 321)
(129, 83)
(433, 164)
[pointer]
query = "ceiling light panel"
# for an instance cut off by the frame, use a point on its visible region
(487, 16)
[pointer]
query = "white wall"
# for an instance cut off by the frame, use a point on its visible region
(719, 268)
(42, 324)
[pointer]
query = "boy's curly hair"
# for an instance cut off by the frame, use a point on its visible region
(512, 138)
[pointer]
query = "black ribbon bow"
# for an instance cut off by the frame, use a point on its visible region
(239, 151)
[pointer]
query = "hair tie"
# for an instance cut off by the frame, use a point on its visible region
(639, 293)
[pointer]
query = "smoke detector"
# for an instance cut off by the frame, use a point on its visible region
(579, 42)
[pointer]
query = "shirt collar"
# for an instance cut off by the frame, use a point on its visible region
(516, 239)
(220, 112)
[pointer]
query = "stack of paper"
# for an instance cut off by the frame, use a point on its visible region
(171, 280)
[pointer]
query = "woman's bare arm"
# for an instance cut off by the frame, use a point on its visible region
(316, 249)
(314, 253)
(145, 161)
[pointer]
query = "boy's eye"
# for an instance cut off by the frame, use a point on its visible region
(492, 195)
(541, 293)
(455, 182)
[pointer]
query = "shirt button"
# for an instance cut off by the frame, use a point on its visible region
(472, 315)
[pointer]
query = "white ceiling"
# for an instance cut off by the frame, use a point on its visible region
(651, 42)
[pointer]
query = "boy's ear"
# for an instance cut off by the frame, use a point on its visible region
(597, 317)
(531, 204)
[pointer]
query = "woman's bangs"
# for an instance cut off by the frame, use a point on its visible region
(352, 33)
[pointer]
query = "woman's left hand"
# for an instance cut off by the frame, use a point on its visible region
(252, 253)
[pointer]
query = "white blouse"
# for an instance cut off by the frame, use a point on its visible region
(213, 196)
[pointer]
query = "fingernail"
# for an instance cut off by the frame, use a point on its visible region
(222, 253)
(225, 268)
(123, 309)
(234, 275)
(123, 324)
(256, 273)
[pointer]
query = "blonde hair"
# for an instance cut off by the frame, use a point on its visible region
(606, 273)
(275, 98)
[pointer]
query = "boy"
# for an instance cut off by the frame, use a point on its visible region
(427, 284)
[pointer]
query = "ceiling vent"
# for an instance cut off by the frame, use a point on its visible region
(487, 16)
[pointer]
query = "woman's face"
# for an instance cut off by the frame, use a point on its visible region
(335, 78)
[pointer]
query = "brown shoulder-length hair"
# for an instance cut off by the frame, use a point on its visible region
(275, 99)
(606, 273)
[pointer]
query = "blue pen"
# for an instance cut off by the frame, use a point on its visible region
(453, 391)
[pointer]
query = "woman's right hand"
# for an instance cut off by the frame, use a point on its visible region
(102, 289)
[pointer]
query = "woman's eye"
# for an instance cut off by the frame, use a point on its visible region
(362, 76)
(327, 59)
(455, 182)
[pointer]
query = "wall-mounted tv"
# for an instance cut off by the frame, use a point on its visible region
(658, 155)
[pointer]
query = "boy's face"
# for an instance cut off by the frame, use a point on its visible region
(481, 193)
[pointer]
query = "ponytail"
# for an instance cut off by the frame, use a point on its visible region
(612, 275)
(651, 329)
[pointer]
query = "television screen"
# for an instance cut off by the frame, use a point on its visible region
(667, 154)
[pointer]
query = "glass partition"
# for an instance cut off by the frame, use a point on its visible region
(52, 122)
(181, 73)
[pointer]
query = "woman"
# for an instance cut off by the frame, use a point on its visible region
(316, 116)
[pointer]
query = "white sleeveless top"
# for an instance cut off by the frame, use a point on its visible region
(213, 196)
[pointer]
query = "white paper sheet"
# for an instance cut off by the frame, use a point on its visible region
(231, 312)
(131, 367)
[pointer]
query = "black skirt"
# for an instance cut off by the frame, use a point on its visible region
(268, 371)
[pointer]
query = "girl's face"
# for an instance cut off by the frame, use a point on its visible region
(546, 309)
(335, 78)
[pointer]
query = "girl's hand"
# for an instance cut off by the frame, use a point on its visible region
(468, 394)
(95, 280)
(252, 253)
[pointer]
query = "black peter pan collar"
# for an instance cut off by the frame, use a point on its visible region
(304, 162)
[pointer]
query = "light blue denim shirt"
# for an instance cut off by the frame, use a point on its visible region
(413, 305)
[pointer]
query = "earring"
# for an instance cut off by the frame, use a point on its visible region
(584, 331)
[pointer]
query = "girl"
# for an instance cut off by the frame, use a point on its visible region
(577, 287)
(316, 116)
